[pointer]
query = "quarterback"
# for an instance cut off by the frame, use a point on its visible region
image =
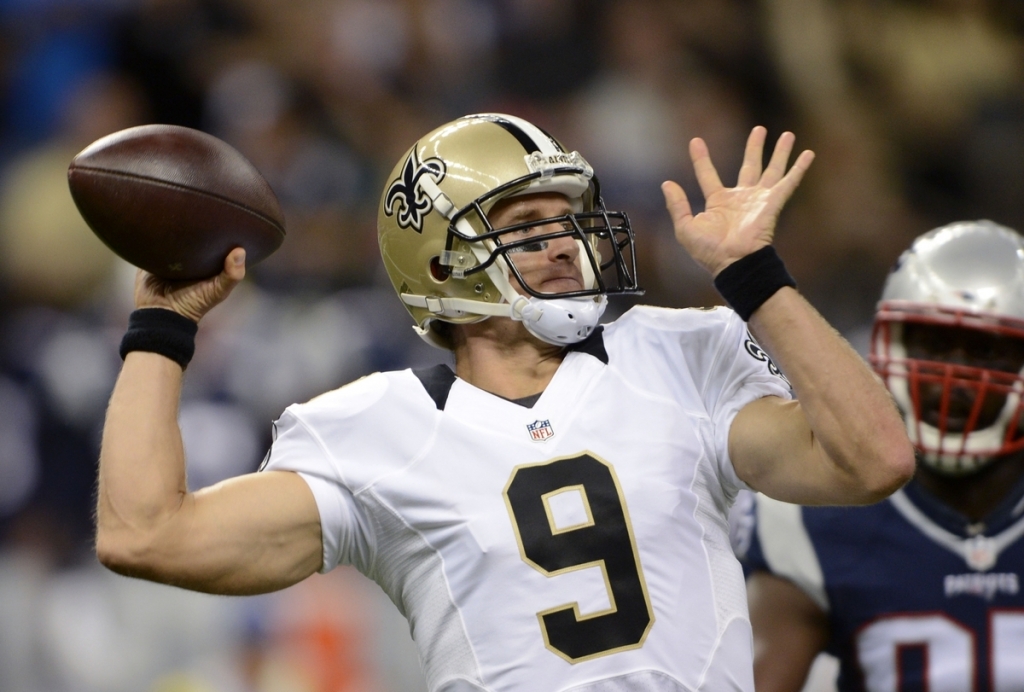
(551, 513)
(922, 591)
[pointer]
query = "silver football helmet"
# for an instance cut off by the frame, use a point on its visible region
(967, 276)
(449, 264)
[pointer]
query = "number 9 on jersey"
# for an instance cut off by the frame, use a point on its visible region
(604, 539)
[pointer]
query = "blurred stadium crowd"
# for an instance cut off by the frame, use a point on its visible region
(914, 107)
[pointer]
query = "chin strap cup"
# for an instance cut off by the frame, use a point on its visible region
(560, 321)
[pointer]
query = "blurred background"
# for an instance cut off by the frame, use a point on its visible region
(914, 107)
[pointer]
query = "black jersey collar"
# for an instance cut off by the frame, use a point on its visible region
(592, 345)
(438, 379)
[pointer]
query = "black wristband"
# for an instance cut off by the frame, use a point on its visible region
(161, 331)
(749, 281)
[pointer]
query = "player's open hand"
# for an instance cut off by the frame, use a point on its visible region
(736, 221)
(191, 299)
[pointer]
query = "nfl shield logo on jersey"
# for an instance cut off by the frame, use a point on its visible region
(540, 430)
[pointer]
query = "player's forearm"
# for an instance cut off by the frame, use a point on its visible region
(142, 463)
(851, 415)
(250, 534)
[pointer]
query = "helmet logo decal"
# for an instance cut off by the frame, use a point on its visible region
(413, 203)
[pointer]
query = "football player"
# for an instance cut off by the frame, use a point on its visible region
(922, 591)
(551, 514)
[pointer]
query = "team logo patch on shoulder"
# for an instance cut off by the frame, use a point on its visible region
(757, 353)
(540, 430)
(405, 196)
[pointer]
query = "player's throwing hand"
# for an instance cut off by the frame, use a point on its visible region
(191, 299)
(736, 221)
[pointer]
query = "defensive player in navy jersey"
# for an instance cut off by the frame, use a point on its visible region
(551, 514)
(923, 591)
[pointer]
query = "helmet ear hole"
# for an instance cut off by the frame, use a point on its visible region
(438, 271)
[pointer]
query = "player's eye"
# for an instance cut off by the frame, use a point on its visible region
(547, 227)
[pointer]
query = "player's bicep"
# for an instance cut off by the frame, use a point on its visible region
(250, 534)
(790, 629)
(774, 451)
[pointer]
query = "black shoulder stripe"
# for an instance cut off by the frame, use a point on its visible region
(438, 381)
(593, 345)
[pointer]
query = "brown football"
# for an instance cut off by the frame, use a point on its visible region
(175, 201)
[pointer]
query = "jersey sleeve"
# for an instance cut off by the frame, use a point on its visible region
(707, 361)
(298, 448)
(781, 545)
(739, 372)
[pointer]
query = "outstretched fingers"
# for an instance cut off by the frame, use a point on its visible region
(707, 176)
(791, 180)
(780, 157)
(750, 171)
(677, 203)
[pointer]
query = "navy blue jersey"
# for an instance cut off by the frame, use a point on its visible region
(917, 598)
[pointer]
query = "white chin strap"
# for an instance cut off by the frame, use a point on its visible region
(559, 321)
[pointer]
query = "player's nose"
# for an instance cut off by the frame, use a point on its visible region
(563, 248)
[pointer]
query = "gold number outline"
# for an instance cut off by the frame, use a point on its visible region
(595, 563)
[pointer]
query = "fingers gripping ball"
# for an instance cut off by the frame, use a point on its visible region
(175, 201)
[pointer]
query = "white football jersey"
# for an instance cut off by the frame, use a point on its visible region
(579, 544)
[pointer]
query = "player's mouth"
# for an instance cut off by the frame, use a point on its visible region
(560, 284)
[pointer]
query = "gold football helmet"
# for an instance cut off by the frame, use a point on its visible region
(449, 264)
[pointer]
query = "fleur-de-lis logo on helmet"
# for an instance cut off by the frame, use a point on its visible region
(412, 202)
